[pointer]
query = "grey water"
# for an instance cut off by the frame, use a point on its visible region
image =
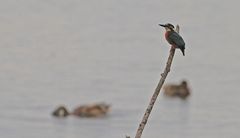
(58, 52)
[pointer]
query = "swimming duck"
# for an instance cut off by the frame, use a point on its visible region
(94, 110)
(180, 90)
(61, 111)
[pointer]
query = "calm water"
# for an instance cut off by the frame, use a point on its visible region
(74, 52)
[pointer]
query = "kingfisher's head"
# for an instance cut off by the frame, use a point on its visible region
(168, 26)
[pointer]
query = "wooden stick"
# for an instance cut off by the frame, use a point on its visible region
(157, 91)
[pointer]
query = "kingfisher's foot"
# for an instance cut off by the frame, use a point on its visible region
(174, 47)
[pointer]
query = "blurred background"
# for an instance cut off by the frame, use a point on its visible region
(73, 52)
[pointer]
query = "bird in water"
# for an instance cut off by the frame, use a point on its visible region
(92, 110)
(177, 90)
(173, 37)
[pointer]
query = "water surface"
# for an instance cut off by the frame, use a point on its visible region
(74, 52)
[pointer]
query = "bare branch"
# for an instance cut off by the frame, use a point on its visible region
(157, 91)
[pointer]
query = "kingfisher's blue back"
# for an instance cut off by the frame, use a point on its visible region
(176, 40)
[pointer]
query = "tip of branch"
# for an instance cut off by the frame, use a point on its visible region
(177, 28)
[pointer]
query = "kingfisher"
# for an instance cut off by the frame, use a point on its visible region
(173, 37)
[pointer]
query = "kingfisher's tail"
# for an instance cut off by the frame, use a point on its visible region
(183, 51)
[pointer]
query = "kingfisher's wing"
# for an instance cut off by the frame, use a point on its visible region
(176, 39)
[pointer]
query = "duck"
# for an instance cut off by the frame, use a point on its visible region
(61, 111)
(177, 90)
(92, 110)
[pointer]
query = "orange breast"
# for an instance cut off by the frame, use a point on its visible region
(166, 34)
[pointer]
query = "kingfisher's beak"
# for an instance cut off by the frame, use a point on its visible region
(163, 25)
